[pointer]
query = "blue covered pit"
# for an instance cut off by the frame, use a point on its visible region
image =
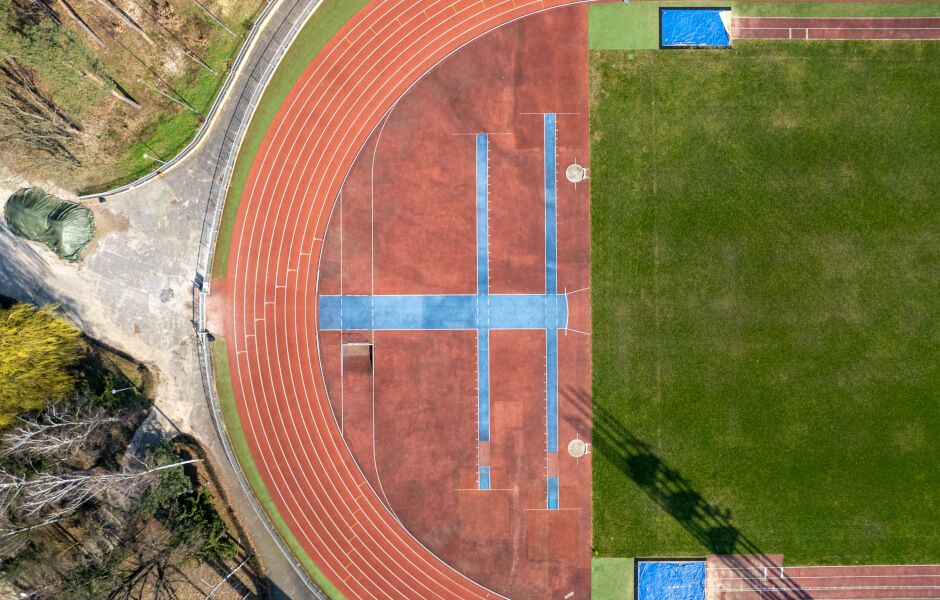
(694, 27)
(671, 580)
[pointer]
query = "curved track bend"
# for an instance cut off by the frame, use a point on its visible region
(270, 318)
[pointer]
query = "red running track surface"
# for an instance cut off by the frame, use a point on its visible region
(406, 223)
(269, 312)
(764, 578)
(801, 28)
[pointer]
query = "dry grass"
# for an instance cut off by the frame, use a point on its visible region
(114, 136)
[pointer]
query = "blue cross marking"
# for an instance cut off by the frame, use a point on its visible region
(483, 311)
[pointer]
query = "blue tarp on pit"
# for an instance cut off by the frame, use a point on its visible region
(671, 580)
(693, 27)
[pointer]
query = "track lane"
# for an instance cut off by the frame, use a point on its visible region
(295, 178)
(844, 582)
(837, 28)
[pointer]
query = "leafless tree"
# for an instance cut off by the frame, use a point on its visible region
(62, 430)
(34, 132)
(226, 578)
(11, 486)
(81, 23)
(53, 495)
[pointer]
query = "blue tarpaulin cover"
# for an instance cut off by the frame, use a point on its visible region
(694, 27)
(671, 580)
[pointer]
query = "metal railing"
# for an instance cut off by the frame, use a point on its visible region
(247, 101)
(208, 381)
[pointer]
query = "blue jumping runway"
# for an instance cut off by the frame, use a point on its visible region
(482, 312)
(551, 288)
(483, 289)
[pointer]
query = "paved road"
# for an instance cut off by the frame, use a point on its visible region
(134, 292)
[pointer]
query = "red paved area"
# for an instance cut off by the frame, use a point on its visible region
(800, 28)
(412, 426)
(268, 309)
(765, 578)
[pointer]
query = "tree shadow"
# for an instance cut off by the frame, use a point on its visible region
(711, 525)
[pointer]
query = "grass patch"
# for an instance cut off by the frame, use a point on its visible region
(765, 269)
(612, 578)
(167, 134)
(331, 15)
(618, 26)
(236, 436)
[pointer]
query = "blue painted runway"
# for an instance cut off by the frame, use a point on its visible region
(552, 493)
(482, 313)
(484, 478)
(483, 286)
(551, 197)
(551, 287)
(496, 311)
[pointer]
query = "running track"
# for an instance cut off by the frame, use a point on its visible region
(851, 582)
(803, 28)
(270, 312)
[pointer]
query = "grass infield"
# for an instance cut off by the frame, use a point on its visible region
(612, 579)
(236, 436)
(765, 266)
(325, 22)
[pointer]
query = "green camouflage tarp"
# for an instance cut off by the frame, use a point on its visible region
(65, 227)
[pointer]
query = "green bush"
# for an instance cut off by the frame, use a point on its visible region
(199, 517)
(191, 516)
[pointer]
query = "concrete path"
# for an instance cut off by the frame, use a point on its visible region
(134, 291)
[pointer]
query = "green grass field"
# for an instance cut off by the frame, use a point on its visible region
(612, 579)
(766, 267)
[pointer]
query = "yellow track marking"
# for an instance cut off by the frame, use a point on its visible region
(426, 15)
(351, 539)
(363, 483)
(347, 39)
(357, 510)
(360, 496)
(347, 566)
(373, 30)
(455, 10)
(351, 550)
(484, 4)
(399, 22)
(347, 577)
(354, 524)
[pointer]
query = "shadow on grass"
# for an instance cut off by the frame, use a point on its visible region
(709, 524)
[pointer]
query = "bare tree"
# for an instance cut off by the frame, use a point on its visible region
(61, 430)
(82, 23)
(54, 495)
(120, 14)
(11, 486)
(34, 132)
(153, 566)
(224, 579)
